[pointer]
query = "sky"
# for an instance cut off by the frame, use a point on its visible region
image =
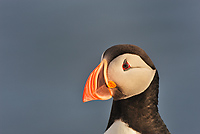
(49, 47)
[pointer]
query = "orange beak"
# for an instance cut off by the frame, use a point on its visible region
(97, 86)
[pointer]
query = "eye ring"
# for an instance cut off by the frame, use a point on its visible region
(125, 65)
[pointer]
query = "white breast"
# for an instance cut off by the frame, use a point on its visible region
(119, 127)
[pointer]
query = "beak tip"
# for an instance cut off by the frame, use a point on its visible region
(85, 100)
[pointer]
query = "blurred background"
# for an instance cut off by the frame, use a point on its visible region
(49, 47)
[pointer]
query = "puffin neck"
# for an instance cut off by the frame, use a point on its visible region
(140, 112)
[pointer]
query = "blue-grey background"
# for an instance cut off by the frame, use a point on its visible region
(49, 47)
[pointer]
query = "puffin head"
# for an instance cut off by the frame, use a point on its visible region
(125, 71)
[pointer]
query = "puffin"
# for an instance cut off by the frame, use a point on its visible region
(128, 75)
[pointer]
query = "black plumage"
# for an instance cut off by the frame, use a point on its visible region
(140, 112)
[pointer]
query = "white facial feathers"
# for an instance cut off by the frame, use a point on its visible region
(134, 80)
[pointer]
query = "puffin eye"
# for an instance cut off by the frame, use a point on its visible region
(125, 65)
